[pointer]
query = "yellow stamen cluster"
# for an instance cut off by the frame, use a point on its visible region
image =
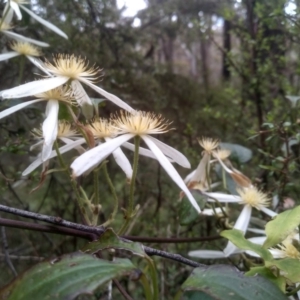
(102, 128)
(4, 25)
(62, 94)
(253, 197)
(289, 250)
(222, 154)
(140, 123)
(208, 144)
(72, 67)
(65, 129)
(25, 49)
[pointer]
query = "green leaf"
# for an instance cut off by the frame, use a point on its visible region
(238, 239)
(281, 226)
(290, 268)
(65, 277)
(267, 273)
(196, 295)
(226, 282)
(243, 154)
(110, 240)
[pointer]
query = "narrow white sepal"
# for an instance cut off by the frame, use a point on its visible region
(50, 127)
(205, 254)
(165, 163)
(45, 23)
(22, 38)
(230, 249)
(33, 88)
(8, 13)
(177, 156)
(188, 178)
(222, 197)
(243, 220)
(16, 9)
(17, 107)
(39, 64)
(269, 212)
(123, 162)
(8, 55)
(116, 100)
(93, 157)
(83, 99)
(142, 151)
(62, 150)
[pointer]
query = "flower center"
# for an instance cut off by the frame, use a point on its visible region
(25, 49)
(253, 197)
(208, 144)
(72, 67)
(140, 123)
(102, 128)
(62, 94)
(65, 129)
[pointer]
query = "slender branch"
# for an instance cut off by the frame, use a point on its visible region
(48, 228)
(122, 290)
(6, 252)
(96, 230)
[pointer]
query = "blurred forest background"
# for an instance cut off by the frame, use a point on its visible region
(216, 68)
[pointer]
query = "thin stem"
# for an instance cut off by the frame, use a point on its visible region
(135, 168)
(96, 199)
(129, 213)
(21, 68)
(147, 287)
(6, 252)
(74, 187)
(113, 191)
(153, 274)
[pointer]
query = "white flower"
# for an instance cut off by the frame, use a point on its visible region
(51, 122)
(250, 197)
(22, 48)
(64, 69)
(13, 6)
(66, 134)
(137, 124)
(5, 29)
(198, 179)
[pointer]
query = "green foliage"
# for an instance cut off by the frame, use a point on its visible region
(221, 281)
(65, 277)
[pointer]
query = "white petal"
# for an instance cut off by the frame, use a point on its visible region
(116, 100)
(93, 157)
(212, 212)
(45, 23)
(62, 150)
(142, 151)
(50, 126)
(17, 107)
(83, 99)
(165, 163)
(188, 178)
(243, 220)
(269, 212)
(8, 55)
(259, 240)
(206, 254)
(177, 156)
(222, 197)
(22, 38)
(230, 249)
(33, 88)
(200, 174)
(16, 9)
(8, 15)
(123, 162)
(39, 64)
